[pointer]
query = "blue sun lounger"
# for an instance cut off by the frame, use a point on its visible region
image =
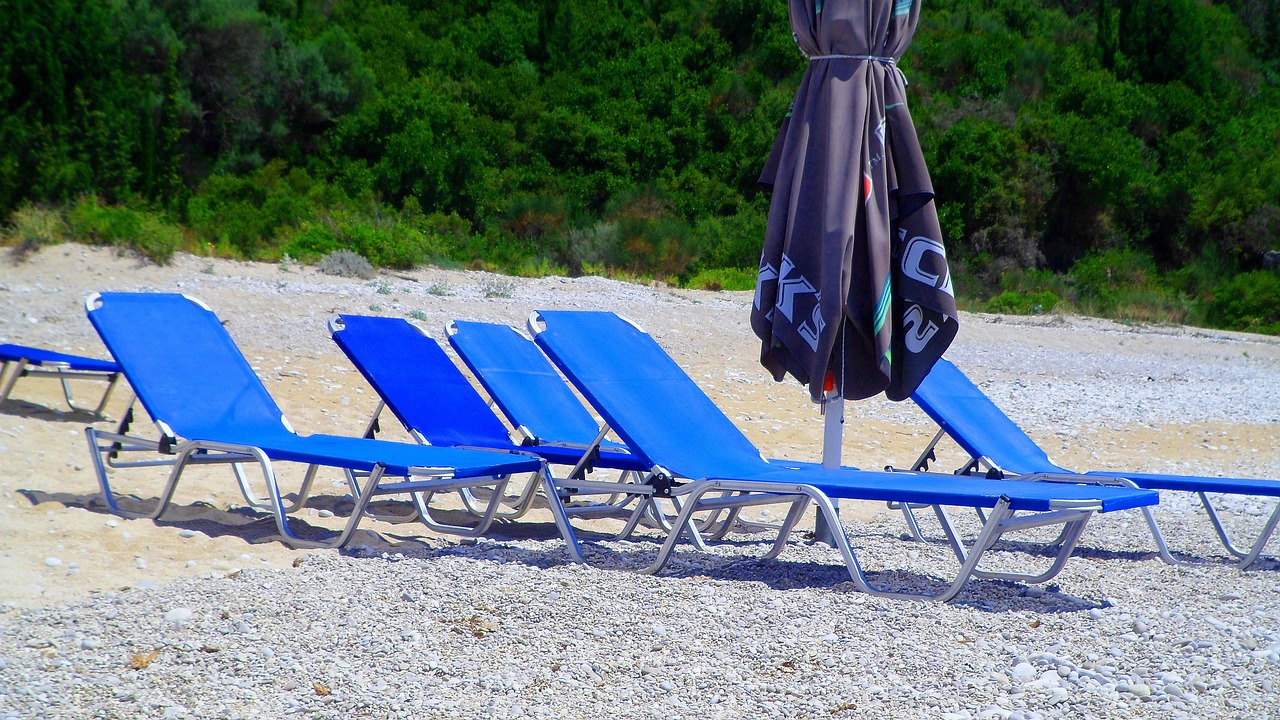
(664, 417)
(437, 405)
(534, 398)
(994, 442)
(21, 361)
(209, 407)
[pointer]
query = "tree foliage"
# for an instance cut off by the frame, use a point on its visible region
(629, 134)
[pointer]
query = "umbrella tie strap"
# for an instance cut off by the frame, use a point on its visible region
(872, 58)
(887, 61)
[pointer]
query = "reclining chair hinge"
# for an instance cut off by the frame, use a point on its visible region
(662, 484)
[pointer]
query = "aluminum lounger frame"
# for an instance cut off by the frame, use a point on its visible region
(188, 375)
(438, 406)
(657, 410)
(21, 361)
(997, 445)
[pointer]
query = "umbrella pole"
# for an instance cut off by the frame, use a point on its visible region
(832, 435)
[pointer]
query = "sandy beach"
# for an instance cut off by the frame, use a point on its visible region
(1096, 394)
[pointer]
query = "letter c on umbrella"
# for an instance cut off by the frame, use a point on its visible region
(912, 263)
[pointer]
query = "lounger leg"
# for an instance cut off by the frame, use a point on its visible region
(362, 503)
(1002, 520)
(684, 520)
(66, 394)
(909, 516)
(859, 578)
(423, 502)
(518, 505)
(106, 396)
(695, 537)
(1263, 537)
(371, 489)
(304, 492)
(792, 519)
(1246, 558)
(18, 367)
(734, 519)
(1162, 547)
(243, 483)
(659, 518)
(281, 514)
(245, 491)
(562, 519)
(100, 469)
(999, 521)
(986, 538)
(644, 507)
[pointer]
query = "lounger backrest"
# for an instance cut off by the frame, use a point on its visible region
(658, 411)
(976, 423)
(523, 383)
(184, 367)
(420, 384)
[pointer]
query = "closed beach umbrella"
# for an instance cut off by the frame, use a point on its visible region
(854, 295)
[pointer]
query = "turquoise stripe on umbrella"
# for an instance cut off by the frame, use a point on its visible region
(882, 306)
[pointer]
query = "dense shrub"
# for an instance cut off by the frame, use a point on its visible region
(724, 279)
(89, 220)
(1103, 278)
(33, 227)
(1249, 301)
(1016, 303)
(345, 263)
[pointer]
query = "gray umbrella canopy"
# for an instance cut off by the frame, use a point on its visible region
(853, 283)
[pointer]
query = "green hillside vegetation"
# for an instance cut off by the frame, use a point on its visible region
(1115, 157)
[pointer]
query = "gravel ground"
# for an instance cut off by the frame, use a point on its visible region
(505, 627)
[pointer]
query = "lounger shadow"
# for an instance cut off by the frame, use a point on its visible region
(209, 407)
(996, 444)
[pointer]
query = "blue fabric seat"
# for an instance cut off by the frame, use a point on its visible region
(21, 361)
(994, 441)
(662, 415)
(209, 407)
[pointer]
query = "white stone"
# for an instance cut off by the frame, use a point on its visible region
(179, 616)
(1022, 673)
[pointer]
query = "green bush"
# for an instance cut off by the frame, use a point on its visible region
(1102, 278)
(1249, 301)
(1013, 302)
(157, 240)
(730, 242)
(650, 237)
(312, 242)
(91, 221)
(249, 215)
(392, 245)
(724, 279)
(33, 226)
